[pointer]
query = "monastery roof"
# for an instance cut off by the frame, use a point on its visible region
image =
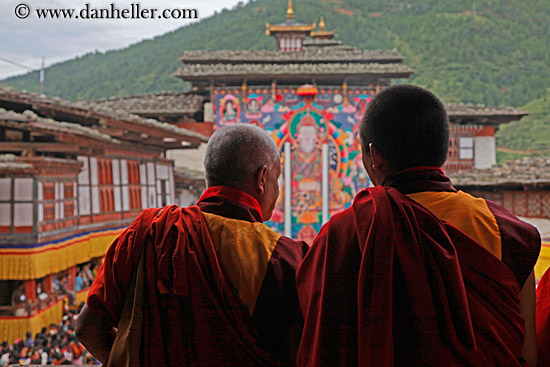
(188, 103)
(11, 163)
(290, 25)
(158, 103)
(311, 44)
(325, 54)
(100, 118)
(229, 71)
(530, 171)
(29, 120)
(464, 111)
(189, 174)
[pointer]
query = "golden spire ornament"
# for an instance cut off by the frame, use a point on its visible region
(289, 11)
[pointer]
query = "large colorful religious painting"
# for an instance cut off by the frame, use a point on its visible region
(307, 118)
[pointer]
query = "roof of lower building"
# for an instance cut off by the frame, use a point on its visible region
(466, 113)
(528, 171)
(118, 123)
(157, 103)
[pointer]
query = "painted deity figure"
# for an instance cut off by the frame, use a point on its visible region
(307, 171)
(229, 110)
(253, 107)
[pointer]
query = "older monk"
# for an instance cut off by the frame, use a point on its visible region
(207, 285)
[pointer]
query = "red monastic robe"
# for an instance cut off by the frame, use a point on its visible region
(543, 320)
(199, 309)
(388, 283)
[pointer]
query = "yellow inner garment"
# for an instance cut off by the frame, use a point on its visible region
(244, 249)
(467, 213)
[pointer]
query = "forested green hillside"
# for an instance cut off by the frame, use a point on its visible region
(495, 52)
(530, 135)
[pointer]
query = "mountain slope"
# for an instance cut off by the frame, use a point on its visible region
(531, 134)
(499, 56)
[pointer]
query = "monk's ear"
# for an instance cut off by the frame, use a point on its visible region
(378, 160)
(261, 179)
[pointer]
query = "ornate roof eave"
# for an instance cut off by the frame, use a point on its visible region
(97, 117)
(290, 71)
(276, 57)
(524, 172)
(320, 34)
(165, 103)
(160, 112)
(501, 183)
(12, 164)
(464, 113)
(270, 76)
(282, 28)
(29, 121)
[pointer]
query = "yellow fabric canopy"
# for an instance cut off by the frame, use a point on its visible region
(18, 263)
(12, 328)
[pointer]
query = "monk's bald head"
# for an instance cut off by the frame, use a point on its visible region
(235, 153)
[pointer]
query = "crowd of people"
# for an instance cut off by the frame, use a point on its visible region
(57, 343)
(84, 277)
(54, 345)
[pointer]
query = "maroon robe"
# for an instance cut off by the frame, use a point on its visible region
(388, 283)
(543, 320)
(193, 315)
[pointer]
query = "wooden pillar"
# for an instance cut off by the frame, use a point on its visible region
(345, 91)
(325, 183)
(30, 290)
(47, 284)
(72, 277)
(273, 89)
(288, 189)
(244, 88)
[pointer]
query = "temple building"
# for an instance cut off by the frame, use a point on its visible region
(72, 177)
(310, 95)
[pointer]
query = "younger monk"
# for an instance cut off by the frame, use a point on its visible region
(543, 320)
(218, 286)
(416, 273)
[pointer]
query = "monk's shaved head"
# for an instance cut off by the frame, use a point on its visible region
(235, 153)
(409, 125)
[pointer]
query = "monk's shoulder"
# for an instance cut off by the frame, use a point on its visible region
(511, 225)
(521, 242)
(517, 236)
(295, 249)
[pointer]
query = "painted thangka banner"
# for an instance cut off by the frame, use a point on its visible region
(329, 116)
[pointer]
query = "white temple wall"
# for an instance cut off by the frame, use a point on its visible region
(484, 152)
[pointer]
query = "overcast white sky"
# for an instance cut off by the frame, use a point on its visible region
(26, 41)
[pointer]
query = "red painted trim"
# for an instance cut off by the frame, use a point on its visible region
(232, 194)
(205, 128)
(60, 299)
(22, 229)
(486, 131)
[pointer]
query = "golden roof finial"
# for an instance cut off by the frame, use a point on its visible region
(322, 24)
(289, 10)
